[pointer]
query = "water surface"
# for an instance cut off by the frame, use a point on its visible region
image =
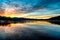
(33, 30)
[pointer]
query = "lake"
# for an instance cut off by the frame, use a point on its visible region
(30, 30)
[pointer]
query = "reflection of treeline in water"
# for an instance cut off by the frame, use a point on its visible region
(8, 20)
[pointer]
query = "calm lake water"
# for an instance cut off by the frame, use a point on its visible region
(33, 30)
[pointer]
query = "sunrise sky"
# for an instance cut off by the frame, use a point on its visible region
(39, 9)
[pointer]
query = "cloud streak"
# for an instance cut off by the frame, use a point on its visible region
(30, 7)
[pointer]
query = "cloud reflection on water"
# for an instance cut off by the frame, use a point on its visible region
(29, 29)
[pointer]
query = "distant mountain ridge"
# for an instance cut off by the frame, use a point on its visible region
(8, 20)
(23, 19)
(55, 18)
(17, 19)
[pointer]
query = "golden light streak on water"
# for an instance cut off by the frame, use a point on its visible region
(18, 27)
(38, 23)
(12, 28)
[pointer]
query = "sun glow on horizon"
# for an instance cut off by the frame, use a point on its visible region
(11, 12)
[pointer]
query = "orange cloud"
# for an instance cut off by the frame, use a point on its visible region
(11, 12)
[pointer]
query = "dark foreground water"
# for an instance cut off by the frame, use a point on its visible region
(38, 30)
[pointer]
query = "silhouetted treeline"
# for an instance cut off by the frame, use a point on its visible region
(18, 19)
(55, 18)
(8, 20)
